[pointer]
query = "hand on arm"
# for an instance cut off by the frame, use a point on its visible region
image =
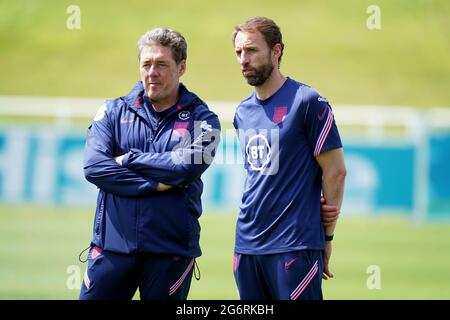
(160, 187)
(186, 162)
(329, 214)
(100, 167)
(334, 172)
(119, 159)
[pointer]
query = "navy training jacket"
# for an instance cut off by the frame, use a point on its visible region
(173, 147)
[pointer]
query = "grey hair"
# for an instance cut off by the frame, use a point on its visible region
(166, 38)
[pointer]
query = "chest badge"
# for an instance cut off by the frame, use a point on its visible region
(258, 152)
(279, 113)
(184, 115)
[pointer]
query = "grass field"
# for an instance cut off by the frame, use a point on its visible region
(328, 46)
(38, 245)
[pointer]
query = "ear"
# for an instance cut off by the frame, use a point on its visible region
(181, 68)
(276, 50)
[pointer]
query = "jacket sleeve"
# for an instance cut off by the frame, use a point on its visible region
(102, 170)
(187, 161)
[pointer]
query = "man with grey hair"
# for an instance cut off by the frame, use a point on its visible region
(146, 152)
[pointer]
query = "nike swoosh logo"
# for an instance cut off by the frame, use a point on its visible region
(321, 116)
(287, 265)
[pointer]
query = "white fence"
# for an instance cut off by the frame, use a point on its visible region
(374, 118)
(374, 125)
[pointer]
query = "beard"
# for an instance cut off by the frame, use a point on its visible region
(260, 75)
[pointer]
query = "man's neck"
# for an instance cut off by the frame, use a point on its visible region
(271, 85)
(160, 106)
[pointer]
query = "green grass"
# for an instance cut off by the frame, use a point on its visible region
(38, 244)
(327, 46)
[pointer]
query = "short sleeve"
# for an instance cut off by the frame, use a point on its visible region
(321, 130)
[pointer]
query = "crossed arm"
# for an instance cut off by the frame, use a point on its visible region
(159, 187)
(105, 171)
(101, 169)
(137, 173)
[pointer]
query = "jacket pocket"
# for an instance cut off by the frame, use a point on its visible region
(166, 220)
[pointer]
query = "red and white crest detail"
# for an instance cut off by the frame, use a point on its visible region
(279, 114)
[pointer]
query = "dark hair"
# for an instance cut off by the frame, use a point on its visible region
(166, 38)
(268, 28)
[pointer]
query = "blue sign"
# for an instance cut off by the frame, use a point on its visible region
(46, 166)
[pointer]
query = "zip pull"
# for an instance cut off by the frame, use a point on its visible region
(150, 139)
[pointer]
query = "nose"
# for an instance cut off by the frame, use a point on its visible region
(244, 59)
(152, 70)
